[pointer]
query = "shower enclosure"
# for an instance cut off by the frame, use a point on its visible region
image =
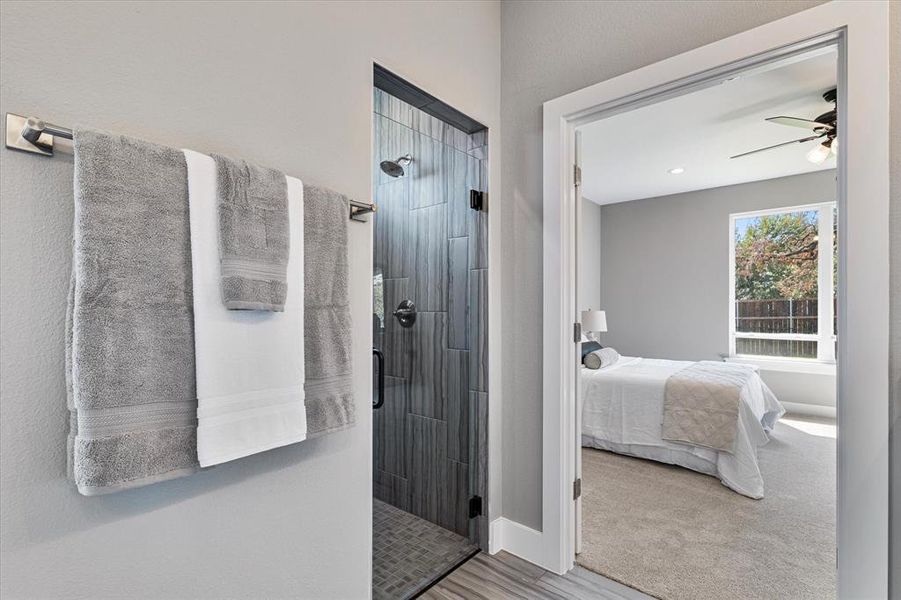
(430, 285)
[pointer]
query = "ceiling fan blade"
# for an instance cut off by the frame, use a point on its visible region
(801, 141)
(798, 122)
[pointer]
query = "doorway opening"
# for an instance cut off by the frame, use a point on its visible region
(708, 282)
(430, 337)
(862, 307)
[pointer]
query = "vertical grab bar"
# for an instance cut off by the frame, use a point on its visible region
(381, 386)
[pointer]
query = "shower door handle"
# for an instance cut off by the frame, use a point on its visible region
(381, 385)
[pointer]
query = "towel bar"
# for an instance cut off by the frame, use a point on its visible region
(32, 135)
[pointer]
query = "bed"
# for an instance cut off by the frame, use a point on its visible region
(622, 411)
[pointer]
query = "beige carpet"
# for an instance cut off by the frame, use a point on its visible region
(676, 534)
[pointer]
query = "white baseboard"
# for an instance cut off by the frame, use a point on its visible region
(810, 410)
(517, 539)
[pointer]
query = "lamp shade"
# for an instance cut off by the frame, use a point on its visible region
(594, 320)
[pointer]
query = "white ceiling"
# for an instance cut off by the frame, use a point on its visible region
(627, 156)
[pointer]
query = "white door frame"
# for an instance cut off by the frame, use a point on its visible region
(860, 30)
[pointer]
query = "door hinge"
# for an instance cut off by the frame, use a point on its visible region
(577, 488)
(577, 175)
(577, 332)
(476, 200)
(475, 507)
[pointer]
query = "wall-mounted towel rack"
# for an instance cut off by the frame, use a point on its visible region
(30, 134)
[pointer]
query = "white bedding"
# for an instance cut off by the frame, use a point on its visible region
(622, 411)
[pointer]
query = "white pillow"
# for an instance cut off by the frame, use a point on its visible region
(601, 359)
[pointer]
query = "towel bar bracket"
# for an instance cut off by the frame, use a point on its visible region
(359, 209)
(28, 134)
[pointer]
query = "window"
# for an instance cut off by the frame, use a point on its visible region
(782, 283)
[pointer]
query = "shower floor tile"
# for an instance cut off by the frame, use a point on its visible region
(409, 553)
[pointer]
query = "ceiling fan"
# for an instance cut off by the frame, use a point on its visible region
(824, 127)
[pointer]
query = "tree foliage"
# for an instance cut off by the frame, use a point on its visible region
(776, 257)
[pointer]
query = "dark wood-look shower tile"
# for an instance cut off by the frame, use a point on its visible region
(392, 140)
(426, 124)
(478, 442)
(427, 258)
(397, 341)
(478, 240)
(395, 292)
(427, 465)
(391, 489)
(478, 464)
(456, 138)
(428, 172)
(394, 108)
(453, 506)
(477, 139)
(458, 293)
(391, 229)
(398, 351)
(428, 382)
(478, 328)
(478, 531)
(458, 405)
(465, 177)
(390, 429)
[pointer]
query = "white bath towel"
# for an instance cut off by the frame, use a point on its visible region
(250, 364)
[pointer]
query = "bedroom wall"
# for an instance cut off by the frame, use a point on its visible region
(665, 265)
(589, 271)
(287, 85)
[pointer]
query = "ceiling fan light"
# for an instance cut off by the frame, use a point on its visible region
(818, 154)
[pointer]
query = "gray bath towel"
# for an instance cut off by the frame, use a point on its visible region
(327, 335)
(253, 235)
(130, 346)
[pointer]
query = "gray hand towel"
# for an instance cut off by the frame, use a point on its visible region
(253, 235)
(327, 334)
(130, 347)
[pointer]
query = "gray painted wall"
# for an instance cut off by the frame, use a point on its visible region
(590, 267)
(431, 248)
(895, 334)
(665, 266)
(549, 49)
(289, 86)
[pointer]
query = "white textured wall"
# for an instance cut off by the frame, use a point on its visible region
(282, 84)
(590, 257)
(549, 49)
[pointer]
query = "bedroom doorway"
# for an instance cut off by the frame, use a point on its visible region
(707, 295)
(861, 309)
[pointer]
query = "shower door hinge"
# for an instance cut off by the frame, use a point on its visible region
(577, 175)
(577, 488)
(475, 507)
(476, 200)
(577, 332)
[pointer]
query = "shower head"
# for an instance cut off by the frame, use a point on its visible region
(395, 168)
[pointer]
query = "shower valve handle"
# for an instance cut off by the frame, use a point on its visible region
(405, 313)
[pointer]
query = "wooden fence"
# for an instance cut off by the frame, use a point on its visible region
(778, 315)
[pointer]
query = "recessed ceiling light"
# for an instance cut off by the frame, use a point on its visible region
(676, 171)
